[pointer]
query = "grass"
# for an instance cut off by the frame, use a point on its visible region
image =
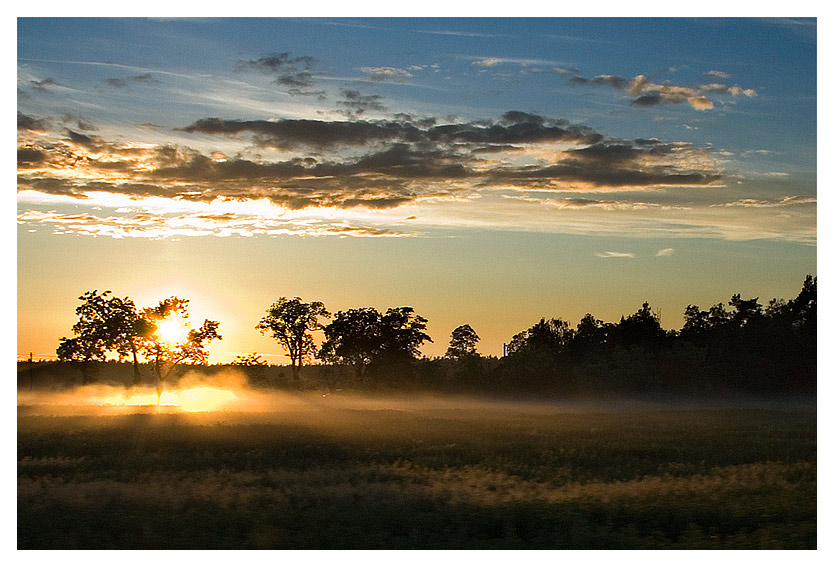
(343, 473)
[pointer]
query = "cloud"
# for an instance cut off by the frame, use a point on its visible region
(148, 225)
(734, 90)
(611, 254)
(459, 33)
(585, 203)
(293, 72)
(514, 127)
(488, 62)
(27, 157)
(567, 70)
(524, 62)
(357, 103)
(717, 74)
(26, 122)
(372, 164)
(700, 103)
(386, 73)
(121, 83)
(666, 252)
(648, 100)
(43, 85)
(786, 201)
(610, 80)
(647, 94)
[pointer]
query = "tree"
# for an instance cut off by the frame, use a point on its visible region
(462, 342)
(104, 324)
(746, 312)
(364, 338)
(169, 341)
(402, 333)
(249, 360)
(544, 339)
(352, 338)
(641, 328)
(127, 327)
(290, 322)
(590, 336)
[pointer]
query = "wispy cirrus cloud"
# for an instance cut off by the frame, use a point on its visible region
(459, 33)
(786, 201)
(613, 254)
(491, 61)
(150, 225)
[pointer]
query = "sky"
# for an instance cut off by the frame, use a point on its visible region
(489, 171)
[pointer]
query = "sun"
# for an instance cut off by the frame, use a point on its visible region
(172, 330)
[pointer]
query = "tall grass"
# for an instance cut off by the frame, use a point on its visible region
(339, 474)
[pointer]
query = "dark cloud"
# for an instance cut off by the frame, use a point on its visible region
(651, 99)
(372, 163)
(92, 143)
(610, 80)
(26, 122)
(604, 175)
(121, 83)
(43, 85)
(607, 152)
(80, 122)
(291, 134)
(356, 103)
(29, 157)
(321, 95)
(293, 72)
(513, 128)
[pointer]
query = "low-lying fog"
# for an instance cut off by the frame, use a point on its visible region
(228, 393)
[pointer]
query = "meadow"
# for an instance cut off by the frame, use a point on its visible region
(303, 471)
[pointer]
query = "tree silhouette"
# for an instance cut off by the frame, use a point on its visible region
(290, 322)
(363, 338)
(249, 360)
(352, 338)
(641, 328)
(544, 339)
(104, 324)
(127, 328)
(462, 342)
(166, 355)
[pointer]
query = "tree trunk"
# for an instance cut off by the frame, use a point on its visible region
(158, 370)
(137, 376)
(296, 366)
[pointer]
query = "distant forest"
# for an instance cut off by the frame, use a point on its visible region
(744, 347)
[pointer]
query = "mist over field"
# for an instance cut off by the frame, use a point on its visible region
(298, 470)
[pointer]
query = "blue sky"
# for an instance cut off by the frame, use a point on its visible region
(486, 171)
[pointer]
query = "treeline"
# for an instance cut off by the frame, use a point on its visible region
(742, 347)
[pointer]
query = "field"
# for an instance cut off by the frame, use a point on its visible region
(303, 471)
